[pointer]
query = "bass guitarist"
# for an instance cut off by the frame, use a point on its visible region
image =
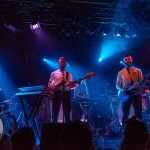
(61, 93)
(126, 78)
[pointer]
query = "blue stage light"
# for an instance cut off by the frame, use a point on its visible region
(100, 59)
(121, 62)
(52, 63)
(112, 46)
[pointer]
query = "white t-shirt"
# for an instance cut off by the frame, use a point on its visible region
(57, 77)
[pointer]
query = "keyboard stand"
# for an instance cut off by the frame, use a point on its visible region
(30, 117)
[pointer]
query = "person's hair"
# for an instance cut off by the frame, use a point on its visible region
(127, 56)
(62, 58)
(135, 135)
(23, 139)
(77, 136)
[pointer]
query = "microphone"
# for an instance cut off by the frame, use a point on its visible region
(125, 64)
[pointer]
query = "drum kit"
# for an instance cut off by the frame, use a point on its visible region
(7, 121)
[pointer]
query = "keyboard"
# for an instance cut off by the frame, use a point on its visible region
(31, 90)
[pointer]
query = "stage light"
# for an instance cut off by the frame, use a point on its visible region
(134, 35)
(112, 46)
(131, 31)
(119, 31)
(118, 34)
(11, 27)
(52, 63)
(35, 26)
(121, 62)
(104, 34)
(92, 28)
(100, 59)
(105, 30)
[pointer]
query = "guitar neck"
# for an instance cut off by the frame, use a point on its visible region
(76, 81)
(89, 75)
(79, 79)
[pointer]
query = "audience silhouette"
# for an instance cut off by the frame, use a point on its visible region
(23, 139)
(135, 135)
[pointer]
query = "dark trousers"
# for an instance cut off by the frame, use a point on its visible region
(63, 98)
(137, 105)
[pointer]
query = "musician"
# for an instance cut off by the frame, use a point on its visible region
(58, 81)
(81, 95)
(81, 91)
(130, 75)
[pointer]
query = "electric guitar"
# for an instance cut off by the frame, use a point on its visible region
(57, 87)
(132, 90)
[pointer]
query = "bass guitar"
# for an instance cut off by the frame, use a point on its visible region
(132, 90)
(57, 87)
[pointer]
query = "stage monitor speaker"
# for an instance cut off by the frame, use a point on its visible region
(50, 137)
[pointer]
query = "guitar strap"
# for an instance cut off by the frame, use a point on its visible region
(67, 76)
(132, 82)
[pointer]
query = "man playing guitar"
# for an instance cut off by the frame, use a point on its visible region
(61, 93)
(126, 78)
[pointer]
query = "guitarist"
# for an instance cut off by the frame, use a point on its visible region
(129, 75)
(61, 93)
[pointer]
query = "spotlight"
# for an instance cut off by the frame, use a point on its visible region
(134, 35)
(44, 59)
(131, 31)
(51, 63)
(121, 62)
(92, 28)
(104, 34)
(119, 32)
(130, 34)
(105, 30)
(100, 59)
(11, 27)
(35, 25)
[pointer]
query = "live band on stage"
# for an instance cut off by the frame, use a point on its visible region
(65, 100)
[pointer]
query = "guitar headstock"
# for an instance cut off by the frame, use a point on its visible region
(91, 74)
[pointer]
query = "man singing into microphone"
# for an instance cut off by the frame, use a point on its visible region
(130, 75)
